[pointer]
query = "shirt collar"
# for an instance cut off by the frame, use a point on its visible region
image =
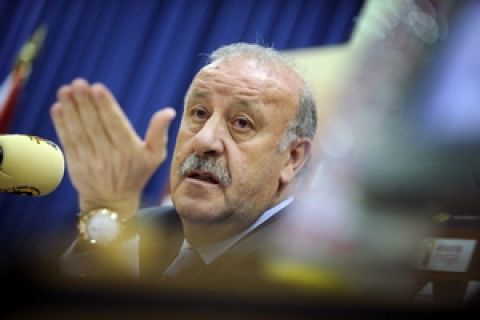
(211, 252)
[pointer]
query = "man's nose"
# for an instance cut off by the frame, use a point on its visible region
(209, 140)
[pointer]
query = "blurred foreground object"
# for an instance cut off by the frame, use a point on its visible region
(387, 163)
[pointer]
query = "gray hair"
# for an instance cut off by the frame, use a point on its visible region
(305, 123)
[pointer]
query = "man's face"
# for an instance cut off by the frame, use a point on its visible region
(226, 168)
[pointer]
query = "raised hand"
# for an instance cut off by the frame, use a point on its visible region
(108, 163)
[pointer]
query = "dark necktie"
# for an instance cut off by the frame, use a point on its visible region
(187, 264)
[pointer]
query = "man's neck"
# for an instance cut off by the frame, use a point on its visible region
(205, 234)
(212, 251)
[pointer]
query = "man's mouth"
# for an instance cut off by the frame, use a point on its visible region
(202, 175)
(211, 170)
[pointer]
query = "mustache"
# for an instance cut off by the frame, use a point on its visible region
(210, 164)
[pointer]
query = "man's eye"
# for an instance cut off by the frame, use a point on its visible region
(199, 114)
(242, 124)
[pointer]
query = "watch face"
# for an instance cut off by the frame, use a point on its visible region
(102, 229)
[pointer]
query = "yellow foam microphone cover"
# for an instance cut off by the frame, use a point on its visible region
(29, 165)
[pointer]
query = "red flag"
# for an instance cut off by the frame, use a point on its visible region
(11, 87)
(9, 94)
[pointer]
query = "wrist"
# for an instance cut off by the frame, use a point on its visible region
(103, 227)
(124, 208)
(99, 227)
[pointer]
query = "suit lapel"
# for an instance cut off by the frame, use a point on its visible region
(248, 254)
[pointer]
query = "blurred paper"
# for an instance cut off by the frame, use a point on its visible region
(451, 255)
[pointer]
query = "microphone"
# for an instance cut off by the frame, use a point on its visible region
(29, 165)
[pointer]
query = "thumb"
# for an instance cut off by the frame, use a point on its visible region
(156, 136)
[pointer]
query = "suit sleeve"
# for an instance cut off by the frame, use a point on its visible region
(120, 260)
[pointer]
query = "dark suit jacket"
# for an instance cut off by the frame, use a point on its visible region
(161, 237)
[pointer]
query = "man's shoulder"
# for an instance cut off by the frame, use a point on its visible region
(159, 219)
(158, 212)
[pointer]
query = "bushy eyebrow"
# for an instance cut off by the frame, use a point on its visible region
(240, 101)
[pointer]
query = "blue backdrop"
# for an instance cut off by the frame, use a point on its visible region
(146, 52)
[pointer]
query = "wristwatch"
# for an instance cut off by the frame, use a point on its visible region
(99, 226)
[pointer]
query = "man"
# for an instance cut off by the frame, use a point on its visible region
(246, 132)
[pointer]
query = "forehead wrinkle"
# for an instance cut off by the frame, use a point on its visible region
(244, 88)
(239, 101)
(205, 90)
(263, 84)
(197, 93)
(222, 75)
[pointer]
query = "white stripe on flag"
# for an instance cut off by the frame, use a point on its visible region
(5, 92)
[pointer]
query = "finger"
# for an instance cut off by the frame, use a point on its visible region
(114, 120)
(90, 118)
(56, 113)
(72, 121)
(156, 136)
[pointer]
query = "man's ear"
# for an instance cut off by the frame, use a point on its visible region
(299, 152)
